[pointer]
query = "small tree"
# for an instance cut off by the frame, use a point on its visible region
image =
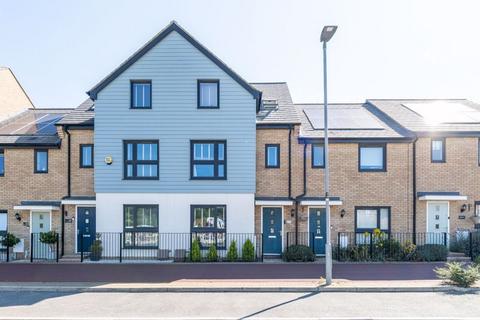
(9, 240)
(49, 237)
(212, 255)
(232, 254)
(248, 251)
(195, 254)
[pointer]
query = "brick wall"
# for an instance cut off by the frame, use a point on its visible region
(82, 178)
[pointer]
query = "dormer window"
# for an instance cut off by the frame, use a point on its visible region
(208, 92)
(141, 94)
(270, 104)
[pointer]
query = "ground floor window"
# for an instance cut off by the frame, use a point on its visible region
(209, 224)
(140, 225)
(367, 219)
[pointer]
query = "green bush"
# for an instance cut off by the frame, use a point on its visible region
(353, 253)
(477, 261)
(49, 237)
(9, 240)
(458, 274)
(212, 255)
(459, 245)
(196, 254)
(299, 253)
(232, 254)
(248, 251)
(96, 249)
(431, 252)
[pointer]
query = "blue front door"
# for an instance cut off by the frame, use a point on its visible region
(272, 230)
(85, 227)
(318, 222)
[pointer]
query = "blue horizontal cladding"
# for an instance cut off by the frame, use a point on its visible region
(173, 66)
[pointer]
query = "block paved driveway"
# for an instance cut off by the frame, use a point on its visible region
(17, 272)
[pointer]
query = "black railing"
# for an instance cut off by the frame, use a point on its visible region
(44, 246)
(380, 246)
(301, 238)
(4, 250)
(179, 247)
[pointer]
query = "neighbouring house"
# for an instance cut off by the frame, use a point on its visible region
(13, 99)
(370, 161)
(446, 167)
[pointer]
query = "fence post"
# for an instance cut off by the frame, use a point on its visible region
(371, 245)
(338, 246)
(263, 246)
(8, 249)
(81, 247)
(31, 247)
(120, 246)
(288, 240)
(470, 245)
(445, 239)
(56, 253)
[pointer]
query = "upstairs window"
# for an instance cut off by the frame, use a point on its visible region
(208, 94)
(208, 160)
(372, 158)
(318, 156)
(141, 94)
(438, 150)
(41, 161)
(141, 160)
(2, 163)
(86, 156)
(272, 156)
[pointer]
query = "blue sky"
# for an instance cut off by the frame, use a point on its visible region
(382, 49)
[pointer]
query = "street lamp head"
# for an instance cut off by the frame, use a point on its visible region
(327, 33)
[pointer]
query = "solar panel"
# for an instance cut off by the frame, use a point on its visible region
(445, 112)
(343, 119)
(33, 123)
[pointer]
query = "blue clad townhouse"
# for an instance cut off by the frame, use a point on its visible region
(174, 143)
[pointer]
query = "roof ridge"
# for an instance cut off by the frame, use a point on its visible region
(416, 99)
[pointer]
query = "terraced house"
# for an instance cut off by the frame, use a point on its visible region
(173, 145)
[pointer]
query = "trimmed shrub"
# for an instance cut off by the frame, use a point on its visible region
(10, 240)
(431, 252)
(477, 261)
(212, 255)
(196, 254)
(458, 274)
(299, 253)
(248, 251)
(232, 254)
(49, 237)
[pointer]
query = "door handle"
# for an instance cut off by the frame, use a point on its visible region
(272, 237)
(318, 237)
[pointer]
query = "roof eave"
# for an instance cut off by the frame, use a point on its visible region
(173, 26)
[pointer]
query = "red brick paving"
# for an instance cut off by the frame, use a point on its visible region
(15, 272)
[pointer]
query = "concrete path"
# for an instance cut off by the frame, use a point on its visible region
(48, 305)
(159, 273)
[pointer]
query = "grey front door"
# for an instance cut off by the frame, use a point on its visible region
(437, 224)
(86, 227)
(40, 224)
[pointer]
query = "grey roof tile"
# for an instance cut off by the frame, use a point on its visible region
(396, 110)
(390, 130)
(83, 115)
(285, 113)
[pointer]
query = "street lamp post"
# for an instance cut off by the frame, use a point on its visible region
(327, 34)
